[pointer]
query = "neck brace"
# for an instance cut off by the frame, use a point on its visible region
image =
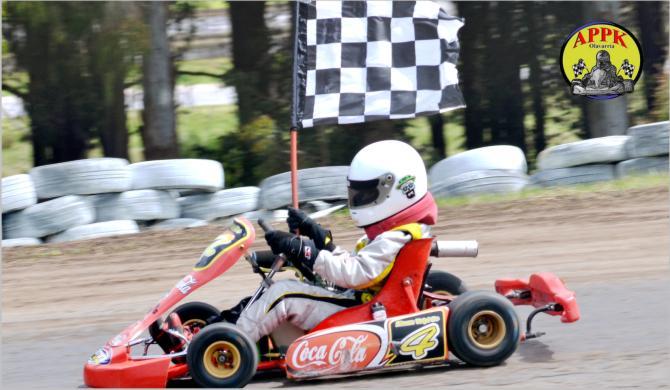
(424, 211)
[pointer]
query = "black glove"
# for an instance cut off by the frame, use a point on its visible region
(296, 249)
(298, 220)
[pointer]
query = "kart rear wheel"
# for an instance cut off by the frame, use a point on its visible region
(483, 328)
(441, 282)
(222, 356)
(194, 315)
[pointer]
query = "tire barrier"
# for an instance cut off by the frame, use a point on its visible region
(648, 140)
(489, 181)
(573, 175)
(139, 205)
(48, 218)
(96, 230)
(181, 174)
(499, 157)
(325, 183)
(220, 204)
(590, 151)
(81, 177)
(18, 192)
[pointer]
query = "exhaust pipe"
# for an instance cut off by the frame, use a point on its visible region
(454, 248)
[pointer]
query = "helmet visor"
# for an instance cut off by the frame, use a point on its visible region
(364, 193)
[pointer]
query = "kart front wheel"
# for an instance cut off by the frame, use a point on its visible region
(194, 315)
(483, 328)
(221, 355)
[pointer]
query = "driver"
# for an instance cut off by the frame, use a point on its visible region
(603, 74)
(389, 198)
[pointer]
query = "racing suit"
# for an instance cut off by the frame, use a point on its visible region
(305, 305)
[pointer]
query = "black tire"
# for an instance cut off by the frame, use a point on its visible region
(195, 313)
(500, 337)
(217, 341)
(443, 282)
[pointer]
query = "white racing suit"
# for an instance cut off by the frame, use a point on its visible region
(305, 305)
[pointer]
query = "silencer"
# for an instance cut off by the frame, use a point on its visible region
(455, 248)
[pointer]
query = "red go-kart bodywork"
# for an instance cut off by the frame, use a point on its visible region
(348, 341)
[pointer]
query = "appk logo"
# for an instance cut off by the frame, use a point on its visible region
(601, 60)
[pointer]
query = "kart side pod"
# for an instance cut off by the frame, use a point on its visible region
(412, 338)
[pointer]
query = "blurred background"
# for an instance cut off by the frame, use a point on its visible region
(212, 79)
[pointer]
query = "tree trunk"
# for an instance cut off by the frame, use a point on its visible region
(470, 63)
(437, 132)
(110, 67)
(159, 130)
(605, 117)
(536, 39)
(506, 111)
(251, 43)
(649, 18)
(113, 129)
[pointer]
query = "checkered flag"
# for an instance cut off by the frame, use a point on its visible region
(579, 67)
(628, 68)
(360, 61)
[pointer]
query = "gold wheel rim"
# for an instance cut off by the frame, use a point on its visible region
(221, 359)
(487, 329)
(195, 321)
(443, 292)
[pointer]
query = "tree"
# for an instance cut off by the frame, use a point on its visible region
(251, 44)
(49, 41)
(506, 111)
(159, 133)
(535, 57)
(469, 69)
(610, 116)
(111, 53)
(490, 75)
(437, 135)
(76, 56)
(653, 40)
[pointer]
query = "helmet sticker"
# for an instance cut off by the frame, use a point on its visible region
(406, 185)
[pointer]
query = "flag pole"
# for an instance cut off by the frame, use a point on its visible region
(294, 166)
(294, 121)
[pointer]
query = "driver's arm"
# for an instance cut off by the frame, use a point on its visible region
(365, 268)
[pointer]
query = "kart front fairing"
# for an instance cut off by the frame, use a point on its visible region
(114, 366)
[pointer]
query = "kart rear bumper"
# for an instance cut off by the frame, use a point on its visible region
(541, 290)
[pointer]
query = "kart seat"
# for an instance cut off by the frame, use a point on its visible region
(410, 266)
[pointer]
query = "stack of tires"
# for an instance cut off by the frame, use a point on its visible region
(643, 150)
(102, 197)
(314, 184)
(492, 169)
(64, 209)
(647, 150)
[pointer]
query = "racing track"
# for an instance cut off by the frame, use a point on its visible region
(61, 302)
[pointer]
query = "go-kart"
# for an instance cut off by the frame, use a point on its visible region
(429, 316)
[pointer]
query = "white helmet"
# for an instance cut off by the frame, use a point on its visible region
(385, 178)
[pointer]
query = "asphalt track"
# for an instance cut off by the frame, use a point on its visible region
(62, 301)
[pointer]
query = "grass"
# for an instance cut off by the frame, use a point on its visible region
(210, 65)
(17, 155)
(627, 183)
(195, 126)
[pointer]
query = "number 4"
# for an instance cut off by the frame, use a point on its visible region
(420, 342)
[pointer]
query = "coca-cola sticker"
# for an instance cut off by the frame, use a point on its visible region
(332, 353)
